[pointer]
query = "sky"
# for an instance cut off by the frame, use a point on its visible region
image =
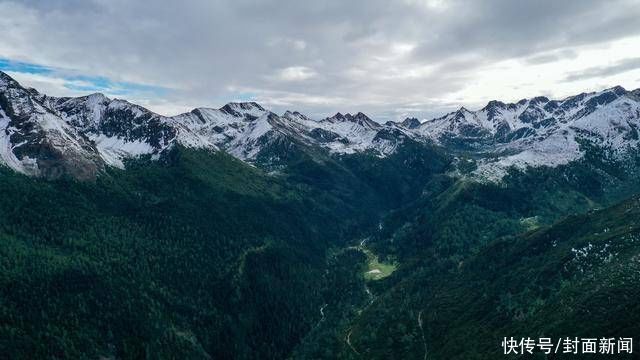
(388, 59)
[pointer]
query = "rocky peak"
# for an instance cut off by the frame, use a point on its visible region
(6, 80)
(338, 117)
(461, 114)
(295, 115)
(410, 123)
(96, 98)
(539, 100)
(495, 104)
(618, 90)
(493, 108)
(242, 108)
(359, 118)
(362, 116)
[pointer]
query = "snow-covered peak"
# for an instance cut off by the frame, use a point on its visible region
(411, 123)
(36, 141)
(5, 80)
(247, 109)
(498, 118)
(97, 98)
(296, 116)
(359, 119)
(540, 131)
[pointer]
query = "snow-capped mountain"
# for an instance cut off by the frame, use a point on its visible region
(540, 131)
(35, 141)
(51, 136)
(411, 123)
(79, 136)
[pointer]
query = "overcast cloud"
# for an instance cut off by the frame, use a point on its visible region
(619, 67)
(388, 59)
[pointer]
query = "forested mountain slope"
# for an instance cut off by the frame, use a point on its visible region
(237, 233)
(577, 278)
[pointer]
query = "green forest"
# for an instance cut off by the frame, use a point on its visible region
(201, 256)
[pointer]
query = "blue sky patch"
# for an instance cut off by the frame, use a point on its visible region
(102, 84)
(21, 67)
(83, 83)
(244, 96)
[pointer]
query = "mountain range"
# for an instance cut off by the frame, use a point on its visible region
(51, 136)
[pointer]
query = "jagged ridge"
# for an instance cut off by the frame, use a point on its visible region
(51, 136)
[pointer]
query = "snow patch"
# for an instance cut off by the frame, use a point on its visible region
(113, 149)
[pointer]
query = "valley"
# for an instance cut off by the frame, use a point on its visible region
(238, 233)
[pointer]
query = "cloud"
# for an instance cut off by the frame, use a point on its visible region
(22, 67)
(317, 57)
(295, 73)
(76, 82)
(619, 67)
(552, 56)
